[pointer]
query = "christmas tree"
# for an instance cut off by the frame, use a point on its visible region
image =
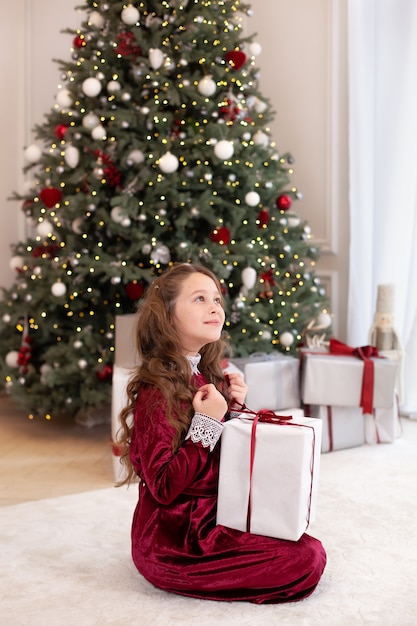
(156, 150)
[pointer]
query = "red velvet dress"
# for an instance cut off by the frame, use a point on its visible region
(176, 544)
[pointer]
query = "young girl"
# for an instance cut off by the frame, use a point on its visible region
(178, 398)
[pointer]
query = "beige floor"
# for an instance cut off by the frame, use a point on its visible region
(43, 459)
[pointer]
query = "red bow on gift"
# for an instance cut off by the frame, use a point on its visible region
(364, 353)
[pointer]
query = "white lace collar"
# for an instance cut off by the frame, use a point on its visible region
(194, 361)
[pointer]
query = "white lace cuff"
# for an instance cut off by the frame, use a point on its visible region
(205, 430)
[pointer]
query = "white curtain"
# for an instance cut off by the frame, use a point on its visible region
(382, 60)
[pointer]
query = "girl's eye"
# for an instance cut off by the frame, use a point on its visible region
(200, 298)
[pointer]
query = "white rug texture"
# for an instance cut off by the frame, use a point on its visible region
(66, 561)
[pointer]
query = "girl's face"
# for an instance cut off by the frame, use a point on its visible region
(198, 313)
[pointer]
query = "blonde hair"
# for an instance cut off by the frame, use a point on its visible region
(162, 363)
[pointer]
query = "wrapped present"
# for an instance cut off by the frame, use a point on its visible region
(230, 368)
(121, 377)
(383, 425)
(272, 379)
(338, 379)
(125, 354)
(343, 426)
(268, 476)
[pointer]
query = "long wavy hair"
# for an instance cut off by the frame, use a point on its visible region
(162, 363)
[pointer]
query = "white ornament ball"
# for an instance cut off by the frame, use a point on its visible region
(260, 106)
(113, 86)
(136, 156)
(249, 276)
(78, 344)
(12, 358)
(58, 289)
(44, 229)
(33, 153)
(161, 254)
(324, 320)
(261, 139)
(63, 98)
(72, 156)
(130, 15)
(156, 58)
(207, 87)
(146, 249)
(117, 214)
(224, 149)
(90, 120)
(286, 339)
(252, 198)
(96, 19)
(6, 318)
(168, 163)
(16, 262)
(99, 132)
(82, 364)
(126, 222)
(255, 49)
(77, 225)
(115, 280)
(91, 87)
(293, 221)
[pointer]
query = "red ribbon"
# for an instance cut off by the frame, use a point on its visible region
(330, 427)
(364, 353)
(117, 449)
(268, 416)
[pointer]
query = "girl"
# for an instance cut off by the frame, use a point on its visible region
(178, 398)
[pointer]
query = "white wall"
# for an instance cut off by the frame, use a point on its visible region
(303, 73)
(31, 37)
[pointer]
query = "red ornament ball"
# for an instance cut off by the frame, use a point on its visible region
(283, 202)
(50, 196)
(105, 374)
(79, 41)
(60, 130)
(221, 235)
(236, 59)
(134, 290)
(263, 218)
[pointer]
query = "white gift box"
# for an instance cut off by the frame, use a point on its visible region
(125, 354)
(121, 377)
(335, 380)
(343, 426)
(273, 381)
(284, 479)
(383, 425)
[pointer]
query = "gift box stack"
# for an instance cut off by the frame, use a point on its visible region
(353, 392)
(125, 358)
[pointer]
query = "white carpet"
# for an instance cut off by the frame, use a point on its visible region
(66, 561)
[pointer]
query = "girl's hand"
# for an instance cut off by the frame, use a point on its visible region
(237, 388)
(210, 401)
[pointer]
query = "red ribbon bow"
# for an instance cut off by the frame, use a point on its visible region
(364, 353)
